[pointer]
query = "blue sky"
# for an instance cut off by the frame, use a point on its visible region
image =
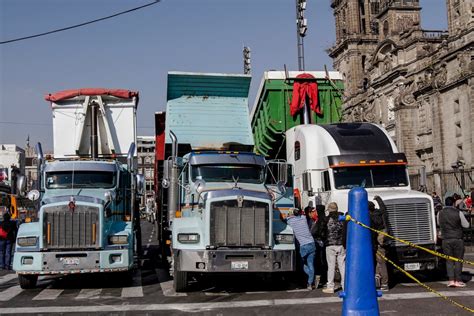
(135, 51)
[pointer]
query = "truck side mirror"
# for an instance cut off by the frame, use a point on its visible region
(165, 182)
(140, 184)
(307, 186)
(33, 195)
(20, 185)
(283, 173)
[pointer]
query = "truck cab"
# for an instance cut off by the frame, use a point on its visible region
(331, 159)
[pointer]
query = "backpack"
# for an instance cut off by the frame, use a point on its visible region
(3, 232)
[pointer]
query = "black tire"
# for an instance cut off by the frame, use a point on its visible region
(27, 281)
(180, 280)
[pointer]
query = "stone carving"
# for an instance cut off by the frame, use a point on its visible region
(404, 23)
(464, 64)
(440, 77)
(388, 62)
(406, 97)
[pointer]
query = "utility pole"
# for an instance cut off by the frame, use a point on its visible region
(247, 65)
(301, 27)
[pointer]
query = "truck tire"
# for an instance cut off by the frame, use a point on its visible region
(27, 281)
(180, 280)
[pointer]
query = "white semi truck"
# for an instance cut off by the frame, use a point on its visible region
(331, 159)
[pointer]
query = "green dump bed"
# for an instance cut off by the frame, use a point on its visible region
(271, 116)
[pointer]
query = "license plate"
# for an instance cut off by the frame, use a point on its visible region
(70, 261)
(412, 266)
(239, 265)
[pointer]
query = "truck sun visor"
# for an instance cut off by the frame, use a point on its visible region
(367, 160)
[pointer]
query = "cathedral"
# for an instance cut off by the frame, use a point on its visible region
(416, 83)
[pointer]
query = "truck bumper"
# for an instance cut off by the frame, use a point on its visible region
(235, 260)
(413, 259)
(71, 262)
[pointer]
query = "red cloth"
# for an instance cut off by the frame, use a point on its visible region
(301, 89)
(67, 94)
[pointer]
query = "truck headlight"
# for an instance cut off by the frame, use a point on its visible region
(284, 238)
(188, 238)
(118, 239)
(27, 241)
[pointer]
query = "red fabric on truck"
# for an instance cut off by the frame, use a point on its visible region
(301, 89)
(67, 94)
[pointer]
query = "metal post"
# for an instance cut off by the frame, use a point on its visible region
(94, 137)
(173, 190)
(360, 295)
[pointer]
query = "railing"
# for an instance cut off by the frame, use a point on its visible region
(434, 34)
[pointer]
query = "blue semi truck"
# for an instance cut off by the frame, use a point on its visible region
(220, 203)
(87, 190)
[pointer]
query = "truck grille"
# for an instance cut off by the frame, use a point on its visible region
(233, 226)
(410, 220)
(64, 229)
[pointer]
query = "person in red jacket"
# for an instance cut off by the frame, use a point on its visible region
(8, 232)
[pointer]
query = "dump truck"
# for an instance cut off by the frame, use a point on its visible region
(88, 190)
(219, 203)
(329, 158)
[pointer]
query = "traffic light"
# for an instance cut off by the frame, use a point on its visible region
(300, 20)
(247, 66)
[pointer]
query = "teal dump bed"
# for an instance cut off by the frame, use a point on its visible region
(208, 111)
(271, 116)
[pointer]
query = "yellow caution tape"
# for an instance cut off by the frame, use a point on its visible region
(424, 285)
(433, 252)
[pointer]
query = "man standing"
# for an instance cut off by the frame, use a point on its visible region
(451, 221)
(335, 246)
(379, 221)
(299, 224)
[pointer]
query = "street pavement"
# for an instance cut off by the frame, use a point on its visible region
(151, 292)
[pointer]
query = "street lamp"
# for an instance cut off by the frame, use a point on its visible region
(459, 165)
(301, 28)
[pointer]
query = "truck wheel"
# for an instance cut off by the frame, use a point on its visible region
(27, 281)
(180, 280)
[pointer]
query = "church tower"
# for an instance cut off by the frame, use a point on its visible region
(460, 15)
(356, 39)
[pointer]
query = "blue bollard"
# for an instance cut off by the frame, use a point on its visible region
(359, 296)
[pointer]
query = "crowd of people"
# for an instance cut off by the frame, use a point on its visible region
(321, 241)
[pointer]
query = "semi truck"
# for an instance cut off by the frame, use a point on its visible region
(219, 204)
(87, 191)
(332, 157)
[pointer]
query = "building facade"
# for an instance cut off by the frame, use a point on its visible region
(146, 161)
(12, 160)
(416, 83)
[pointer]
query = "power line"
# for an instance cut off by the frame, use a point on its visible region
(24, 123)
(79, 25)
(50, 124)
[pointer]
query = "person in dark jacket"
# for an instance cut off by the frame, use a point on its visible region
(319, 232)
(451, 222)
(335, 246)
(379, 221)
(6, 244)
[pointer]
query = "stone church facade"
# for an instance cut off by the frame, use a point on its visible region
(417, 83)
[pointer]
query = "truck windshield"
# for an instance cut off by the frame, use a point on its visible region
(370, 177)
(81, 179)
(228, 173)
